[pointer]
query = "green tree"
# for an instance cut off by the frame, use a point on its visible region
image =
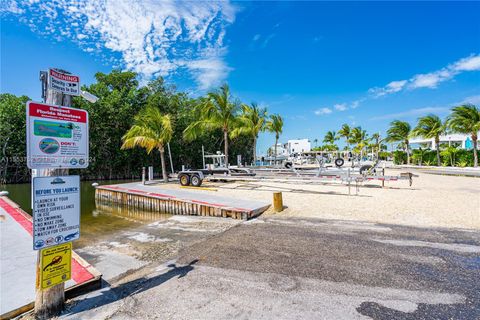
(430, 127)
(330, 137)
(359, 138)
(275, 125)
(399, 131)
(216, 111)
(252, 121)
(12, 139)
(345, 132)
(466, 119)
(376, 143)
(151, 130)
(120, 99)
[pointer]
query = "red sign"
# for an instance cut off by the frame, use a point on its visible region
(56, 112)
(57, 136)
(63, 76)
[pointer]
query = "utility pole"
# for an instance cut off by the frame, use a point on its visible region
(49, 302)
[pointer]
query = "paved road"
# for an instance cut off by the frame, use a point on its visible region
(286, 268)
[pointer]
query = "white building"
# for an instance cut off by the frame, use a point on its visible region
(464, 140)
(281, 150)
(297, 146)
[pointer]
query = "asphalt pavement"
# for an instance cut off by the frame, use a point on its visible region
(293, 268)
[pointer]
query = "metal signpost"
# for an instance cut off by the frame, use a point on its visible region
(57, 139)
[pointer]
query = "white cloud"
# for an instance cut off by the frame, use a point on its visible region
(471, 63)
(323, 111)
(411, 113)
(11, 7)
(340, 106)
(256, 37)
(392, 87)
(355, 104)
(473, 100)
(430, 80)
(153, 38)
(267, 40)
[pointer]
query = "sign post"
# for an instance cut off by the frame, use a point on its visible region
(54, 139)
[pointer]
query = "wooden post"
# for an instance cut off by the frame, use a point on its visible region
(277, 202)
(383, 181)
(49, 302)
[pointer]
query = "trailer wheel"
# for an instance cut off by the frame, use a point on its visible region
(339, 162)
(184, 179)
(366, 168)
(196, 180)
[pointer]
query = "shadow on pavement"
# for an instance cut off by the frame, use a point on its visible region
(109, 295)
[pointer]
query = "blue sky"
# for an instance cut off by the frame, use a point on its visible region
(318, 64)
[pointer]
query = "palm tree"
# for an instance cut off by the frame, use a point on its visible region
(376, 143)
(330, 137)
(430, 127)
(252, 121)
(399, 131)
(466, 119)
(315, 141)
(345, 132)
(275, 125)
(215, 111)
(359, 138)
(150, 130)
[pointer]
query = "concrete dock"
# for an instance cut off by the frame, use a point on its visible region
(18, 261)
(180, 202)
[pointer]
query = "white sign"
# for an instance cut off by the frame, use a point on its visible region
(57, 137)
(56, 210)
(63, 82)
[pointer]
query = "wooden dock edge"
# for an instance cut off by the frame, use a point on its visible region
(151, 201)
(70, 292)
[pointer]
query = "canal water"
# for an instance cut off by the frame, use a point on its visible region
(97, 222)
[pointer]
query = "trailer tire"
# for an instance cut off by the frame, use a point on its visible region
(184, 179)
(195, 180)
(339, 162)
(366, 168)
(288, 165)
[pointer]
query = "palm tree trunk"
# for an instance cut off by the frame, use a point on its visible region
(408, 153)
(225, 137)
(437, 146)
(475, 155)
(164, 165)
(254, 150)
(275, 155)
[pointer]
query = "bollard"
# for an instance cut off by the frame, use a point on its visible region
(143, 175)
(277, 202)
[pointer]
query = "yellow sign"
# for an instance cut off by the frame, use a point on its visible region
(56, 265)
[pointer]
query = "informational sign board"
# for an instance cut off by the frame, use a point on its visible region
(57, 137)
(56, 210)
(56, 265)
(63, 82)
